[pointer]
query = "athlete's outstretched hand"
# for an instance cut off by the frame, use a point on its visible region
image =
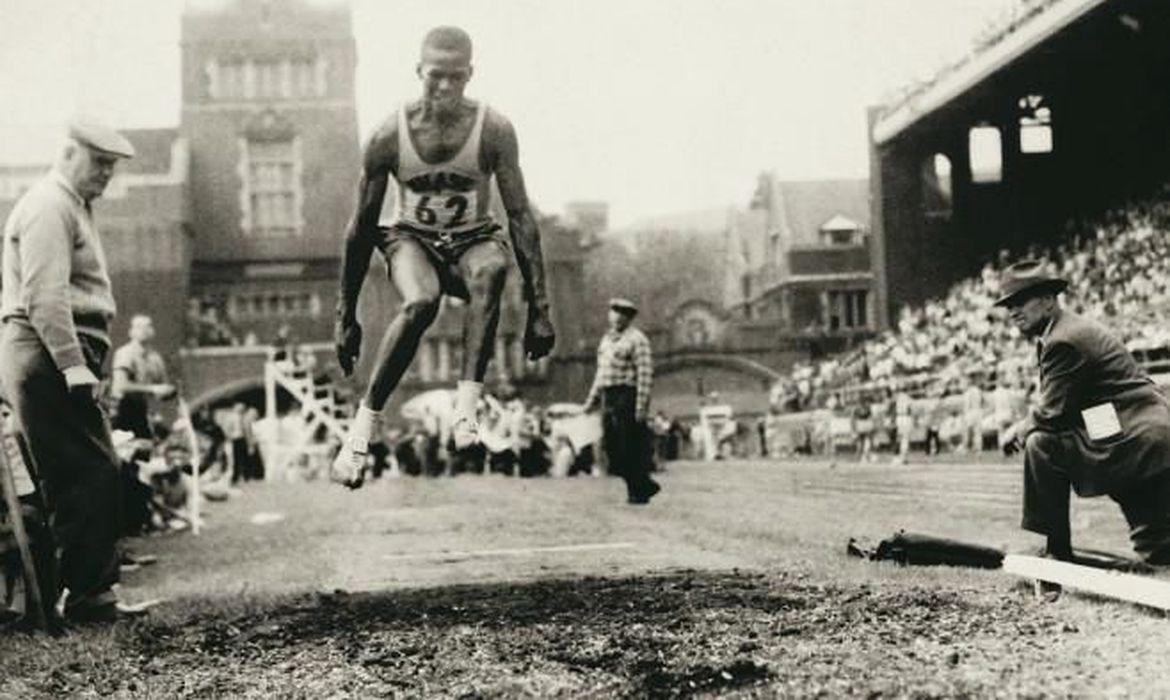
(539, 336)
(348, 337)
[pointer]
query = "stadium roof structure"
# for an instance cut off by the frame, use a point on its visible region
(1058, 117)
(1043, 19)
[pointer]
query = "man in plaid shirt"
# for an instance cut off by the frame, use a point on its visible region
(621, 387)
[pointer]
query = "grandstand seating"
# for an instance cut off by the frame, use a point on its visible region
(1119, 273)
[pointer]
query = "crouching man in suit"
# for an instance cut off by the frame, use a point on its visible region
(1099, 426)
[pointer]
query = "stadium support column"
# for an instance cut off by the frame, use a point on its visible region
(905, 267)
(877, 239)
(1011, 187)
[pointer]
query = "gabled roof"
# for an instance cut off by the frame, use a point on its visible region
(840, 223)
(808, 204)
(1042, 20)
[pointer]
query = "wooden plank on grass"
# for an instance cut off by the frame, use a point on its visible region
(1142, 590)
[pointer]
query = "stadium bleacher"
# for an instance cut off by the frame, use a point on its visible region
(1118, 268)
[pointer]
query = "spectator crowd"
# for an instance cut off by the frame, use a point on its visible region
(954, 373)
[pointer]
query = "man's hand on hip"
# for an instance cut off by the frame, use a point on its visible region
(79, 380)
(539, 336)
(348, 337)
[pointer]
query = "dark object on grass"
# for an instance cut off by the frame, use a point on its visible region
(928, 550)
(907, 548)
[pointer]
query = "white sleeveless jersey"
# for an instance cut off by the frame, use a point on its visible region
(445, 198)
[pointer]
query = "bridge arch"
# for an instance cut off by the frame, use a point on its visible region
(733, 363)
(685, 381)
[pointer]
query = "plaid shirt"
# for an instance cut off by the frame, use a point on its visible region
(623, 359)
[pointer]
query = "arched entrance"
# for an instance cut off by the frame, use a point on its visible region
(684, 381)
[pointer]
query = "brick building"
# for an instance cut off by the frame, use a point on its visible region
(268, 109)
(230, 225)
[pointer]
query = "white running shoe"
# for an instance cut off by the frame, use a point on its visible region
(349, 466)
(464, 432)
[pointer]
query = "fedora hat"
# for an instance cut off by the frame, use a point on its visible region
(1027, 279)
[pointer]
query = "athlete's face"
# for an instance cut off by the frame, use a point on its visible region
(444, 76)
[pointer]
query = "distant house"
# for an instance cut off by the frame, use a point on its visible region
(800, 255)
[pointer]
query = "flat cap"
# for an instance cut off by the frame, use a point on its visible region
(623, 305)
(100, 137)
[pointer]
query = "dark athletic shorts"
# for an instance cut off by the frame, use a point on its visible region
(444, 252)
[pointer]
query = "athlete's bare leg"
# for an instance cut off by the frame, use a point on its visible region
(484, 267)
(418, 287)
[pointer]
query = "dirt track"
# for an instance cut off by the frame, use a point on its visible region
(658, 636)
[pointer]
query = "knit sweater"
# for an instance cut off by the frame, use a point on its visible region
(53, 272)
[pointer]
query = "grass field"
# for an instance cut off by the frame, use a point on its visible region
(734, 581)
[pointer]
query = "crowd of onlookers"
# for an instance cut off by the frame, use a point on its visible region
(1118, 269)
(157, 480)
(517, 438)
(221, 446)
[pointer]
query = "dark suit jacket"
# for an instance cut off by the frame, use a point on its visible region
(1083, 365)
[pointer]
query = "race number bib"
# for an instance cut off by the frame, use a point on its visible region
(444, 211)
(1101, 421)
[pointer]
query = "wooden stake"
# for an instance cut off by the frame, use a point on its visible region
(193, 497)
(32, 584)
(1132, 588)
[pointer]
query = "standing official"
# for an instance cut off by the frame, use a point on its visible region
(139, 375)
(56, 304)
(1100, 426)
(625, 374)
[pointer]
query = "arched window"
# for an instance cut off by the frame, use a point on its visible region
(936, 186)
(985, 148)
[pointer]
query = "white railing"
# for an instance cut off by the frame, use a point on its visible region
(318, 408)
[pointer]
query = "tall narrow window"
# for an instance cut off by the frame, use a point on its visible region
(273, 199)
(304, 78)
(986, 154)
(847, 309)
(230, 79)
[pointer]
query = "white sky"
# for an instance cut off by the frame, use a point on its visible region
(655, 106)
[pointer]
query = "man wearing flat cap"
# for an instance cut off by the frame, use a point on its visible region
(621, 387)
(1099, 427)
(56, 305)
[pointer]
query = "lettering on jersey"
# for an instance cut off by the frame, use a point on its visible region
(432, 183)
(445, 211)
